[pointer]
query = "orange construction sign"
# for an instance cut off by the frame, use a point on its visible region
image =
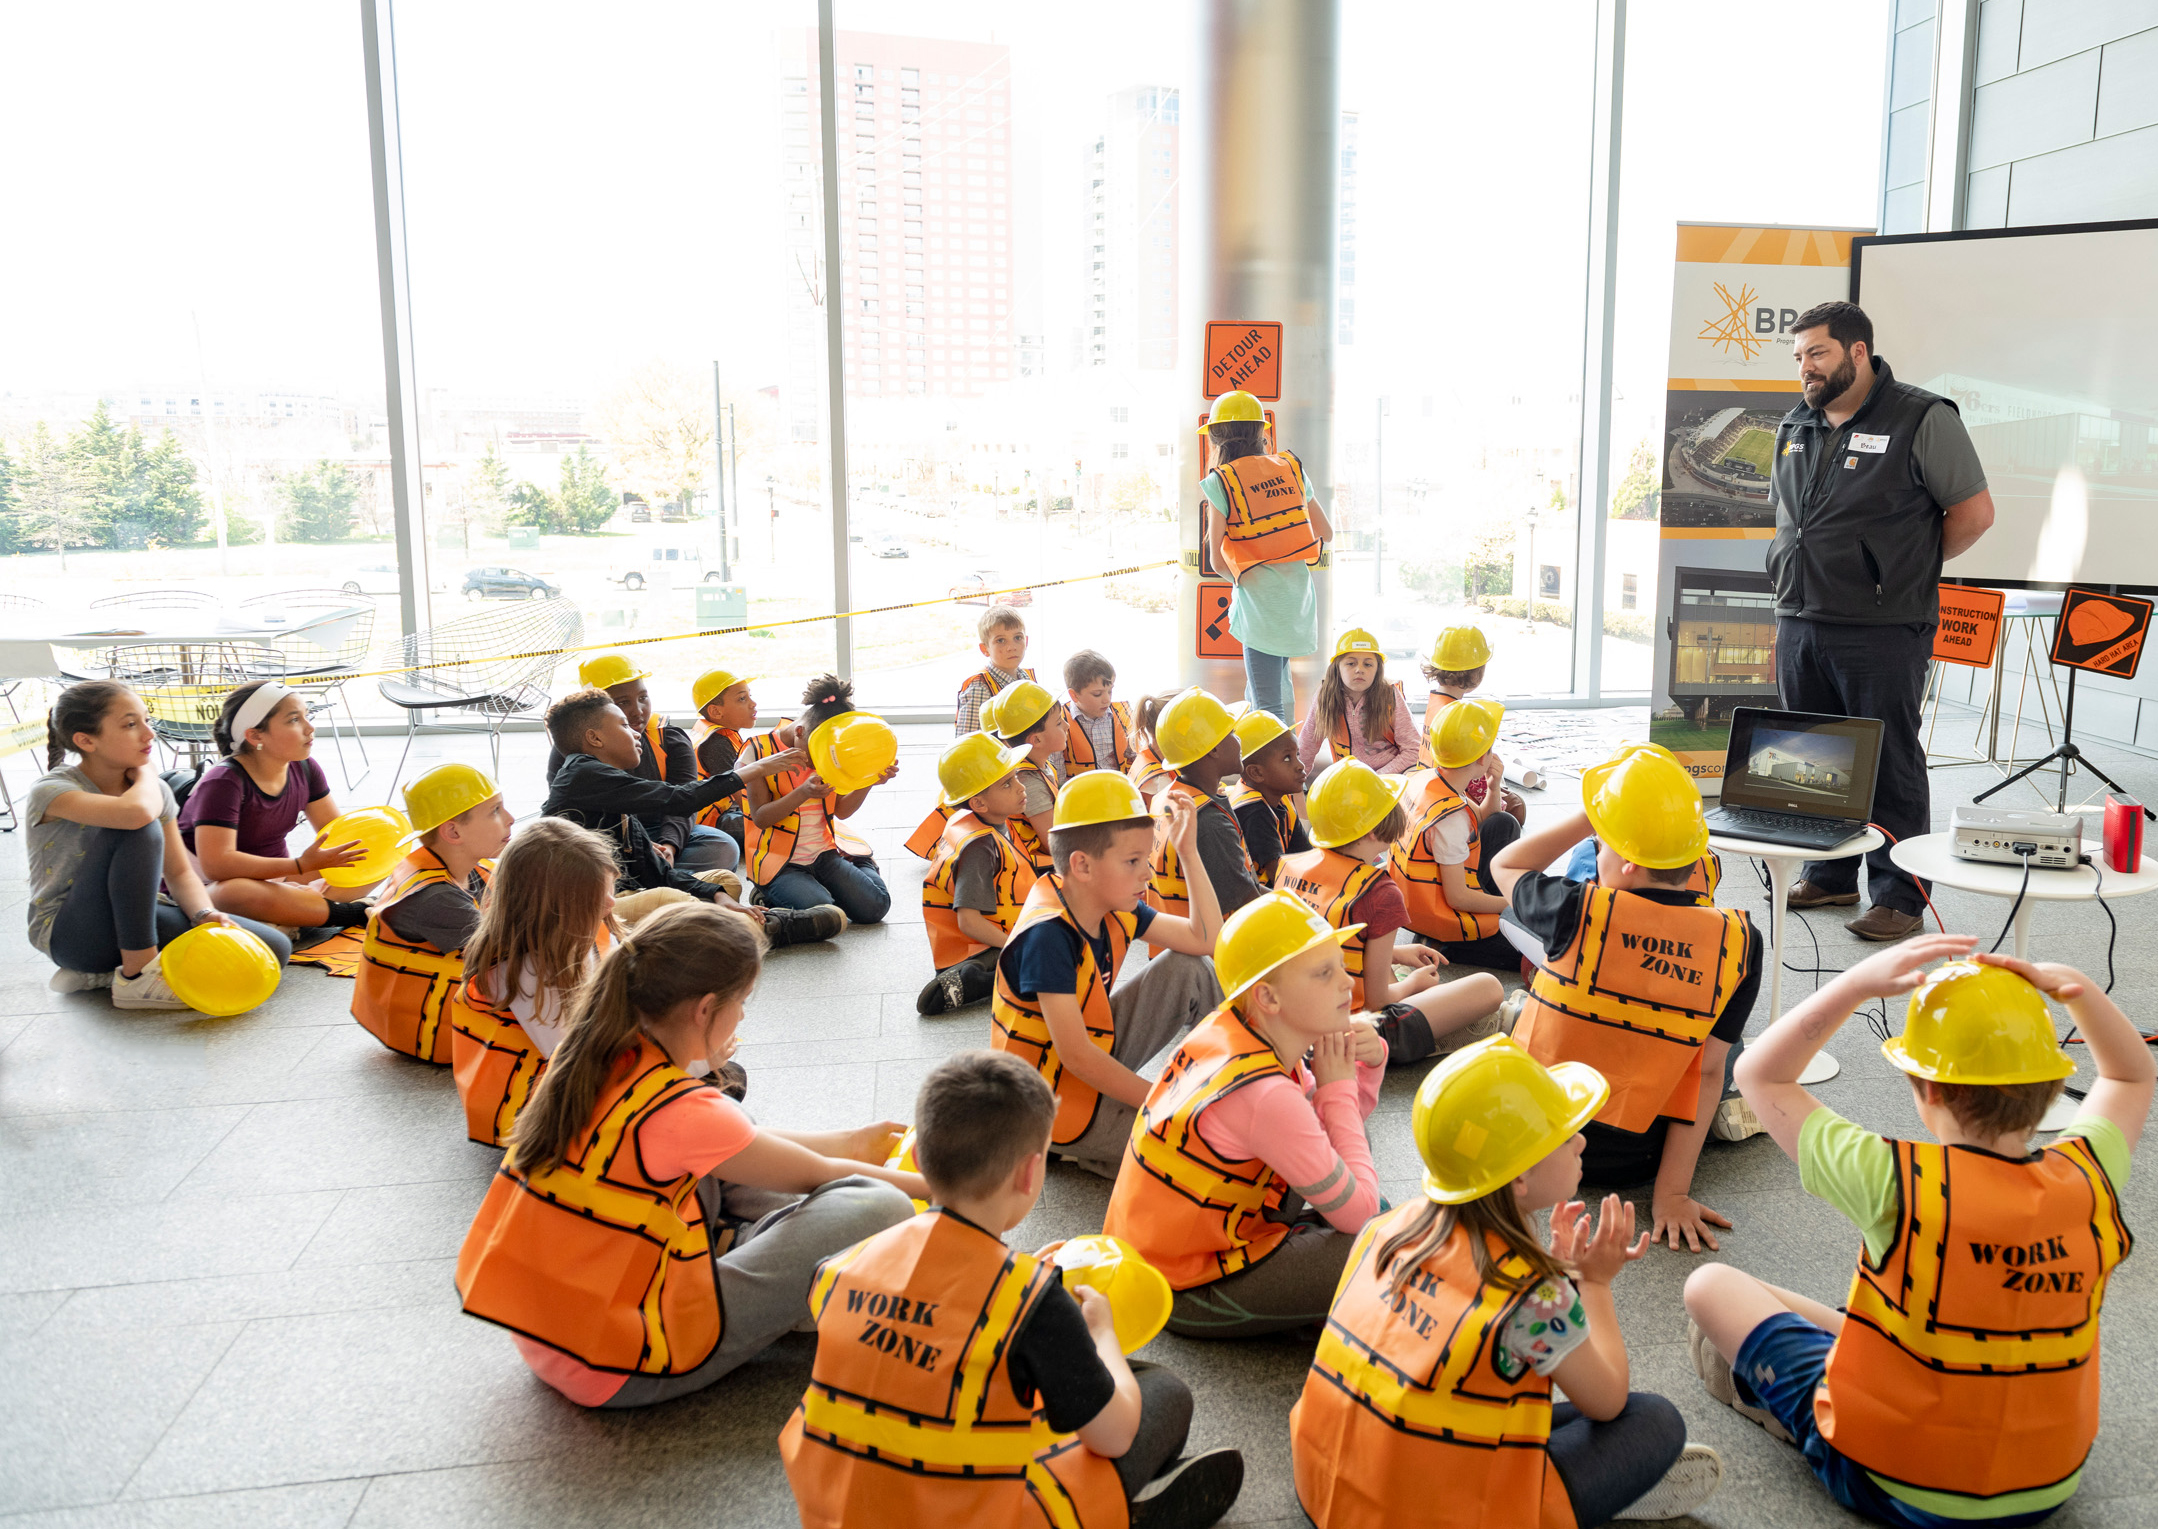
(1242, 356)
(2102, 633)
(1215, 639)
(1970, 626)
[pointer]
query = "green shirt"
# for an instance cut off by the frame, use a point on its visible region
(1273, 607)
(1854, 1170)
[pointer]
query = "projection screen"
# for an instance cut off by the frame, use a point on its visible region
(2047, 339)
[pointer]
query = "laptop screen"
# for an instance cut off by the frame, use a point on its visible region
(1797, 761)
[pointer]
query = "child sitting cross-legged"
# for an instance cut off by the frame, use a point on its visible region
(1269, 794)
(1197, 739)
(1146, 770)
(1025, 715)
(1959, 1384)
(1249, 1173)
(1358, 713)
(1099, 732)
(957, 1381)
(1003, 634)
(1429, 1400)
(1443, 863)
(801, 855)
(978, 879)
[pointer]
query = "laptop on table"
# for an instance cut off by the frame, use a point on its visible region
(1797, 778)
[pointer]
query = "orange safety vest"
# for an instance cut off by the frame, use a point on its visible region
(494, 1061)
(1707, 877)
(1017, 1025)
(596, 1257)
(1418, 873)
(1338, 739)
(1168, 891)
(948, 944)
(1405, 1402)
(404, 985)
(1033, 845)
(1079, 748)
(1266, 521)
(739, 802)
(1434, 703)
(770, 849)
(910, 1418)
(1192, 1213)
(1969, 1361)
(1147, 772)
(1332, 882)
(1285, 821)
(1635, 994)
(989, 677)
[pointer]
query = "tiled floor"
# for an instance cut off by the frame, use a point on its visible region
(225, 1252)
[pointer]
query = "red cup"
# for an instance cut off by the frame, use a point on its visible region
(2124, 835)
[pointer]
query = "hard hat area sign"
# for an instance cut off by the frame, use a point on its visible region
(1243, 356)
(2101, 632)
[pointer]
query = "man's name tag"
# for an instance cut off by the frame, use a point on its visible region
(1873, 443)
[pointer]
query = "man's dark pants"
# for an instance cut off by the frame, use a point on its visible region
(1867, 671)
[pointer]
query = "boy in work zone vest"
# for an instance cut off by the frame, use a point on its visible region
(1640, 980)
(957, 1381)
(1003, 634)
(978, 879)
(1197, 739)
(1269, 795)
(1960, 1385)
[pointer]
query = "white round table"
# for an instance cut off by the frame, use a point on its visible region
(1783, 861)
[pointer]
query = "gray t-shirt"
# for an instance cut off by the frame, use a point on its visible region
(974, 879)
(1942, 452)
(57, 845)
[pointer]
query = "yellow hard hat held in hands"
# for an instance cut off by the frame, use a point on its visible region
(1970, 1022)
(850, 751)
(1491, 1112)
(1644, 805)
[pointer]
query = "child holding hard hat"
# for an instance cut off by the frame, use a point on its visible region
(1443, 863)
(1359, 714)
(1959, 1383)
(979, 1358)
(1249, 1172)
(1429, 1400)
(1057, 1005)
(412, 959)
(800, 854)
(726, 711)
(1269, 789)
(1264, 530)
(1640, 979)
(1197, 739)
(1356, 818)
(978, 878)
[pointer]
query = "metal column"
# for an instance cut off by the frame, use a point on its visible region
(835, 356)
(1598, 312)
(1262, 171)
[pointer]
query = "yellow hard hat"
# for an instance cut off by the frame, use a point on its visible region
(852, 749)
(1460, 649)
(1465, 731)
(1138, 1294)
(1970, 1022)
(1644, 805)
(444, 792)
(712, 684)
(1349, 800)
(974, 764)
(1255, 728)
(1491, 1112)
(1233, 406)
(1355, 640)
(604, 671)
(220, 970)
(1017, 707)
(383, 834)
(1272, 928)
(1098, 796)
(1189, 727)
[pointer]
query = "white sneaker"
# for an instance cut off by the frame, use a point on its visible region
(1688, 1484)
(147, 989)
(1735, 1120)
(1510, 1010)
(66, 981)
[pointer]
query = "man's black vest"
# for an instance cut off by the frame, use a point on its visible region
(1858, 538)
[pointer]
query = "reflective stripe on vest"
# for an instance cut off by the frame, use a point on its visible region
(989, 677)
(1192, 1213)
(910, 1417)
(1079, 748)
(1147, 772)
(402, 986)
(1419, 875)
(495, 1062)
(1285, 821)
(1969, 1362)
(1266, 521)
(948, 944)
(769, 850)
(1016, 1024)
(739, 802)
(1434, 703)
(1635, 994)
(1033, 845)
(1332, 882)
(594, 1257)
(1168, 891)
(1405, 1401)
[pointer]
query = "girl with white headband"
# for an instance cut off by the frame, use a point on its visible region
(240, 814)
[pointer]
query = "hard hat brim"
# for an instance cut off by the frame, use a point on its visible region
(1012, 754)
(1584, 1086)
(740, 679)
(1398, 785)
(1340, 936)
(1900, 1058)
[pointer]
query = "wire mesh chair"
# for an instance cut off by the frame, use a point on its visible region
(12, 691)
(159, 600)
(183, 685)
(469, 675)
(318, 664)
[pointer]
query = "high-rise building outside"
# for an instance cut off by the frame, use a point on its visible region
(1128, 234)
(1345, 261)
(926, 203)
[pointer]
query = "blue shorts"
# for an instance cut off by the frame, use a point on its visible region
(1779, 1367)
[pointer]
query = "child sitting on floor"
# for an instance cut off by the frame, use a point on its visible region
(665, 754)
(800, 854)
(1197, 739)
(1455, 668)
(726, 711)
(978, 879)
(1359, 713)
(1099, 735)
(1016, 1390)
(1146, 770)
(1025, 715)
(1443, 863)
(1003, 634)
(1269, 788)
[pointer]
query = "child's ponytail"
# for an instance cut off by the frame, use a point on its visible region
(1147, 712)
(1496, 1214)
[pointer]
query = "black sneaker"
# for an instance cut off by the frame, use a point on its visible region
(797, 926)
(1195, 1491)
(1406, 1032)
(956, 987)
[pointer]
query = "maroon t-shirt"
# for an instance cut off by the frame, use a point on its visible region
(227, 797)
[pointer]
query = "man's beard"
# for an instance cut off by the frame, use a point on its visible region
(1819, 395)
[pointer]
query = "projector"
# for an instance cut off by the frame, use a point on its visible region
(2053, 840)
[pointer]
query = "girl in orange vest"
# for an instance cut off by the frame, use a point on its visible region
(618, 1241)
(1429, 1400)
(1359, 713)
(799, 855)
(1960, 1383)
(546, 918)
(1443, 863)
(1147, 772)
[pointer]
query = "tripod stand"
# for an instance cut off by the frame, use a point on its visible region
(2067, 756)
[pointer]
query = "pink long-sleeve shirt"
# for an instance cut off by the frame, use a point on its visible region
(1389, 756)
(1313, 1137)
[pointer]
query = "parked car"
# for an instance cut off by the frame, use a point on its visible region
(640, 513)
(975, 587)
(684, 563)
(506, 584)
(889, 546)
(674, 513)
